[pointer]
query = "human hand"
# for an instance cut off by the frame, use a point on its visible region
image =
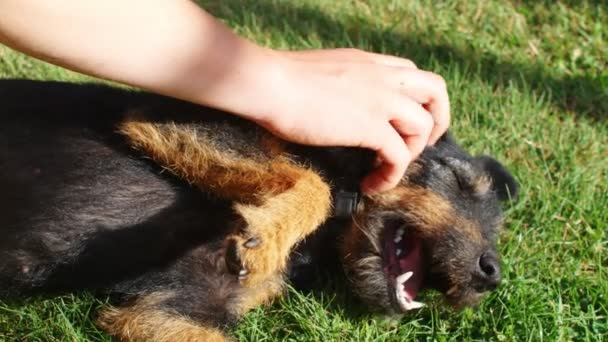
(348, 97)
(340, 97)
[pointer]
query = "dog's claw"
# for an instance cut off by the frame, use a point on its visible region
(233, 259)
(243, 274)
(252, 243)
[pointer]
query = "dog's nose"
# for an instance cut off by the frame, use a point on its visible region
(487, 273)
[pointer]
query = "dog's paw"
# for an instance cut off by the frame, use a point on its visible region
(254, 258)
(234, 251)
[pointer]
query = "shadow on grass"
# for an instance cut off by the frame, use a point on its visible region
(568, 3)
(584, 96)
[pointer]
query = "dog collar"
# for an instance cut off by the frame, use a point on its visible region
(345, 203)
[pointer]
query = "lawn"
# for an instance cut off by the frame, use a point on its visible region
(528, 81)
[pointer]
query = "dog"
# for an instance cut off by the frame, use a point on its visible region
(187, 217)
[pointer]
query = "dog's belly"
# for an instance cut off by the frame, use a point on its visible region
(67, 182)
(78, 211)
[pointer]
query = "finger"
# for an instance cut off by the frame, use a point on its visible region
(395, 157)
(430, 90)
(414, 125)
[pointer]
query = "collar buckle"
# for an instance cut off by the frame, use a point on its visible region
(346, 203)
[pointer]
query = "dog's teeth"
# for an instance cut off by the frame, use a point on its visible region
(400, 232)
(452, 290)
(415, 305)
(402, 302)
(398, 252)
(407, 304)
(399, 294)
(399, 235)
(404, 277)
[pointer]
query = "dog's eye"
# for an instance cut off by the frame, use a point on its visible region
(461, 171)
(461, 183)
(467, 177)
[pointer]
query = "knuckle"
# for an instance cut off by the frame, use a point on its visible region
(409, 63)
(442, 125)
(440, 82)
(354, 51)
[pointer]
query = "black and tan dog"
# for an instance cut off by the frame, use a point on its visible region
(189, 217)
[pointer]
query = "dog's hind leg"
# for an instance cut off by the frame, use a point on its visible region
(147, 320)
(279, 200)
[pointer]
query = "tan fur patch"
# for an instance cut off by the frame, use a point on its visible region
(482, 185)
(273, 146)
(180, 150)
(413, 170)
(261, 295)
(424, 209)
(144, 322)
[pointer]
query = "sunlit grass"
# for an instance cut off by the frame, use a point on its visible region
(529, 85)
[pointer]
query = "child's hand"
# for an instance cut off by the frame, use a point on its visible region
(351, 98)
(173, 47)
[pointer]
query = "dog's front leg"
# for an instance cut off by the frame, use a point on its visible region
(279, 201)
(271, 229)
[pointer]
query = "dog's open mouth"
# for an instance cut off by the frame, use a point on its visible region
(403, 266)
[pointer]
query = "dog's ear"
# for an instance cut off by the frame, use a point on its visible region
(503, 183)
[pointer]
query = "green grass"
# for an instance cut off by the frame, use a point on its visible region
(528, 81)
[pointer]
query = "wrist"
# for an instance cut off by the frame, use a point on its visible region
(244, 81)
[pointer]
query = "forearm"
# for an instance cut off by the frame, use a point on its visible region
(169, 46)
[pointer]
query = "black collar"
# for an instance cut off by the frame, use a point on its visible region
(345, 203)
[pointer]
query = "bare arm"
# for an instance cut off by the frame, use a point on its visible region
(168, 46)
(173, 47)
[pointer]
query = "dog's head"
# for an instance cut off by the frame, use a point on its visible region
(436, 230)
